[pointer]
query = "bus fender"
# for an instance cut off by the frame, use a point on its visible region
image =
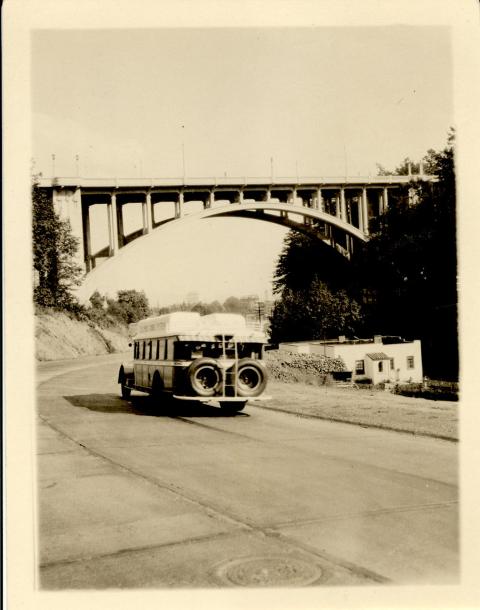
(126, 370)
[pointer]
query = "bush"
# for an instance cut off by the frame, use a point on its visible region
(418, 390)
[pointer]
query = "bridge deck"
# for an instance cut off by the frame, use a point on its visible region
(231, 181)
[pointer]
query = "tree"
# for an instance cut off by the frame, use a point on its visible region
(410, 265)
(54, 248)
(314, 313)
(130, 306)
(305, 259)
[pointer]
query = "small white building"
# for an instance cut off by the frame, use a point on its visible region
(380, 359)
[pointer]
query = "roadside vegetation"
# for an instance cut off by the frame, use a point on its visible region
(402, 282)
(367, 408)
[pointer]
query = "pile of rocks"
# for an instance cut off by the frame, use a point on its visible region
(306, 368)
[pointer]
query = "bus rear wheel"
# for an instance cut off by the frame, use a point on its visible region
(156, 393)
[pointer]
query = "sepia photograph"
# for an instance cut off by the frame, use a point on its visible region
(243, 282)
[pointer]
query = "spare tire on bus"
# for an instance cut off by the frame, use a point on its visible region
(251, 377)
(204, 377)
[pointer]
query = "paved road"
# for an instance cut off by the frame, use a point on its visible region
(132, 497)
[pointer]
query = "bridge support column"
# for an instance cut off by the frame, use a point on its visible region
(87, 244)
(211, 199)
(112, 225)
(240, 196)
(343, 206)
(119, 217)
(338, 213)
(147, 213)
(179, 205)
(320, 206)
(364, 214)
(385, 200)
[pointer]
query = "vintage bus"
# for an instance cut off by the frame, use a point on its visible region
(211, 358)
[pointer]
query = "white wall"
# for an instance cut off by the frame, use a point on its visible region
(398, 351)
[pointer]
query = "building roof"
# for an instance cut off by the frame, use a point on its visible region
(378, 356)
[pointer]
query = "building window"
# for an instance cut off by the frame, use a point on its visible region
(380, 367)
(392, 364)
(410, 362)
(359, 367)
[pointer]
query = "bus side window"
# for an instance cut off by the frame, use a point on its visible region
(143, 349)
(150, 349)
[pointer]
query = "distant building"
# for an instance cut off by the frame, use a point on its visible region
(379, 359)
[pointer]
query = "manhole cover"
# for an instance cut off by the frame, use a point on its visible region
(269, 572)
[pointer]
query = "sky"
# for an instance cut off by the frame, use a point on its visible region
(314, 101)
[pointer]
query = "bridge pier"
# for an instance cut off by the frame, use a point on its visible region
(147, 213)
(112, 224)
(343, 209)
(364, 215)
(86, 236)
(385, 200)
(179, 205)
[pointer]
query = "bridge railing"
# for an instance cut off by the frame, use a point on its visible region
(109, 182)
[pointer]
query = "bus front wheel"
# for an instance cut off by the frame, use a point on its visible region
(126, 392)
(124, 389)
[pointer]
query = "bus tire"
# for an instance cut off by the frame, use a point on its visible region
(124, 388)
(251, 377)
(204, 377)
(233, 407)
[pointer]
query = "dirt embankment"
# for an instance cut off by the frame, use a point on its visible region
(58, 336)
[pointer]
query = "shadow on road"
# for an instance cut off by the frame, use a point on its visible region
(144, 405)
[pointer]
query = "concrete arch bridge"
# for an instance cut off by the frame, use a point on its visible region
(336, 210)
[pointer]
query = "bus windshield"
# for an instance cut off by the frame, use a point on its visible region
(189, 350)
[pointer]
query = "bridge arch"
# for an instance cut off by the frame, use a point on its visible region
(254, 211)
